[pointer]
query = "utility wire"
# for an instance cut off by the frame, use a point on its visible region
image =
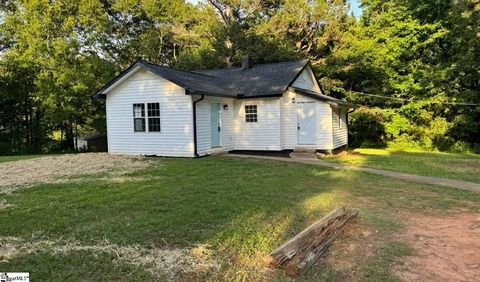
(407, 100)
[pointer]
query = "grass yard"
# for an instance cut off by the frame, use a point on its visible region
(4, 159)
(224, 214)
(462, 166)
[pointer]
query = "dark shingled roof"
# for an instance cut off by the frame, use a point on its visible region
(264, 80)
(260, 80)
(195, 82)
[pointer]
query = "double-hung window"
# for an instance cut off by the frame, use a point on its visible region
(251, 113)
(153, 117)
(139, 117)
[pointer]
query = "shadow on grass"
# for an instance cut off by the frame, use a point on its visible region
(243, 208)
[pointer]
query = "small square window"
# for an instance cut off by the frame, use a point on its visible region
(251, 113)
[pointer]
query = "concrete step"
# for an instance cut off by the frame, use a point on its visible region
(304, 150)
(303, 155)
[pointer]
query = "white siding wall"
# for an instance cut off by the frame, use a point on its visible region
(289, 122)
(263, 134)
(203, 125)
(306, 80)
(176, 136)
(340, 132)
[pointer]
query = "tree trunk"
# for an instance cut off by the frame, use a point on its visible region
(69, 137)
(76, 136)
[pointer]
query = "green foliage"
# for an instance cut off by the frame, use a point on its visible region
(366, 128)
(410, 126)
(422, 55)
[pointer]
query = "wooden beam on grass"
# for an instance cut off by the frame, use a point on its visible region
(300, 252)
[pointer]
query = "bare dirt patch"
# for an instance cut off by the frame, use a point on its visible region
(61, 169)
(158, 261)
(346, 255)
(447, 248)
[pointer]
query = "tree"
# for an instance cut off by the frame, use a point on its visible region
(423, 57)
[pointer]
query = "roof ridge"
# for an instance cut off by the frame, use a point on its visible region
(191, 72)
(216, 69)
(283, 62)
(257, 65)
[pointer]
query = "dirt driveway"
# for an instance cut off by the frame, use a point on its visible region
(447, 248)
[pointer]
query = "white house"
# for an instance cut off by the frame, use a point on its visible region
(154, 110)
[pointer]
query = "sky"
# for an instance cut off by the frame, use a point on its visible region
(355, 8)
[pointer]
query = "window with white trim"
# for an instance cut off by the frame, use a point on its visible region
(153, 111)
(337, 117)
(139, 117)
(251, 113)
(340, 120)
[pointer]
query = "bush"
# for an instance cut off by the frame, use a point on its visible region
(410, 126)
(366, 128)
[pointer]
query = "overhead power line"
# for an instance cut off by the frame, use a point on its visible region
(415, 100)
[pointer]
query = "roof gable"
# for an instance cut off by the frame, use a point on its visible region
(190, 81)
(307, 80)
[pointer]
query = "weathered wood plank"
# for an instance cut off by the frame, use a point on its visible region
(297, 254)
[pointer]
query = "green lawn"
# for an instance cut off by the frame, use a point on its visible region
(240, 208)
(449, 165)
(4, 159)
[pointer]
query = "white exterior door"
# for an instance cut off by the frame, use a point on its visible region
(215, 125)
(306, 123)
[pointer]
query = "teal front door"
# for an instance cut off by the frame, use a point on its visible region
(215, 125)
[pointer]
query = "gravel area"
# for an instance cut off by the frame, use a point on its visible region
(62, 168)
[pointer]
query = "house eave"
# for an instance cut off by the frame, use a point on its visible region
(101, 93)
(322, 97)
(270, 95)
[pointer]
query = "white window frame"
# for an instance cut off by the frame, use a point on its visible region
(145, 115)
(251, 117)
(340, 120)
(337, 114)
(148, 116)
(142, 117)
